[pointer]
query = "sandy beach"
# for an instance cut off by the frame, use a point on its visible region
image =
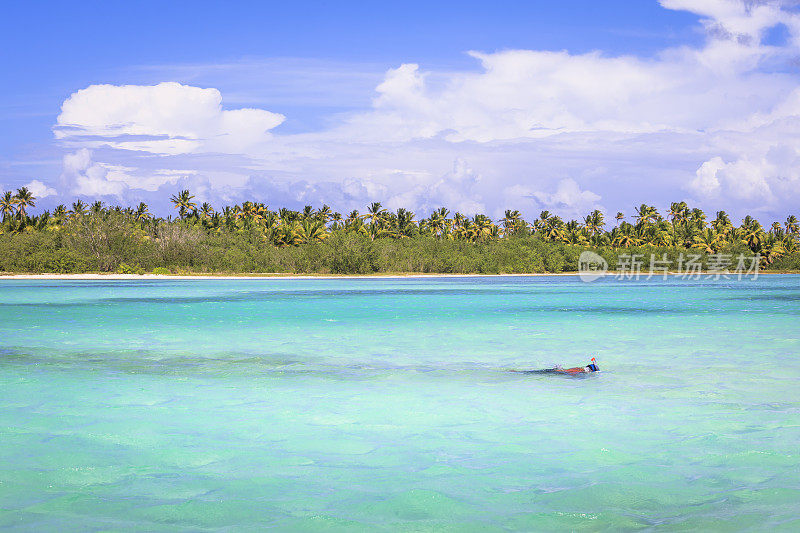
(397, 275)
(113, 276)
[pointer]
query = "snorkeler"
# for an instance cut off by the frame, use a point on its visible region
(588, 369)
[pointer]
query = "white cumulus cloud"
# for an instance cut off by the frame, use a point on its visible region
(541, 130)
(85, 177)
(168, 118)
(567, 199)
(89, 178)
(40, 190)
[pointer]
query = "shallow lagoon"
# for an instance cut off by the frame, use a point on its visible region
(388, 403)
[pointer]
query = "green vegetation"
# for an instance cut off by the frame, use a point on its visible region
(252, 238)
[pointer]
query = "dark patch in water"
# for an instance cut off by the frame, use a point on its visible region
(766, 298)
(242, 364)
(266, 296)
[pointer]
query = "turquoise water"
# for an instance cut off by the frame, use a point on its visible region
(369, 404)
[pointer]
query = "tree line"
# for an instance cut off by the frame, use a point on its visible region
(100, 237)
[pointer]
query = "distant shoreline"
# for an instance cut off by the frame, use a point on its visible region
(255, 276)
(398, 275)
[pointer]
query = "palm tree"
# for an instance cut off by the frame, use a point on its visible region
(42, 222)
(722, 223)
(206, 210)
(324, 213)
(541, 222)
(424, 227)
(554, 231)
(376, 230)
(683, 227)
(337, 220)
(7, 205)
(790, 243)
(183, 203)
(141, 214)
(374, 212)
(792, 226)
(24, 199)
(458, 224)
(78, 208)
(624, 236)
(353, 216)
(707, 241)
(771, 249)
(697, 217)
(354, 223)
(287, 215)
(646, 214)
(677, 212)
(60, 213)
(309, 230)
(285, 233)
(752, 233)
(251, 211)
(575, 233)
(438, 222)
(594, 223)
(481, 228)
(462, 228)
(662, 235)
(404, 226)
(511, 221)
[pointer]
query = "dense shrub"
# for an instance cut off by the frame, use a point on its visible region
(113, 245)
(124, 268)
(351, 253)
(787, 262)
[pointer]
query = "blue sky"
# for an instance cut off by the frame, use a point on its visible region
(360, 101)
(51, 49)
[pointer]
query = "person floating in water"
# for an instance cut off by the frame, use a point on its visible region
(588, 369)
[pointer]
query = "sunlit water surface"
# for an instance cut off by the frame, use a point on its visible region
(389, 404)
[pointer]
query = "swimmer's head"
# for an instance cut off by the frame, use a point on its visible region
(592, 367)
